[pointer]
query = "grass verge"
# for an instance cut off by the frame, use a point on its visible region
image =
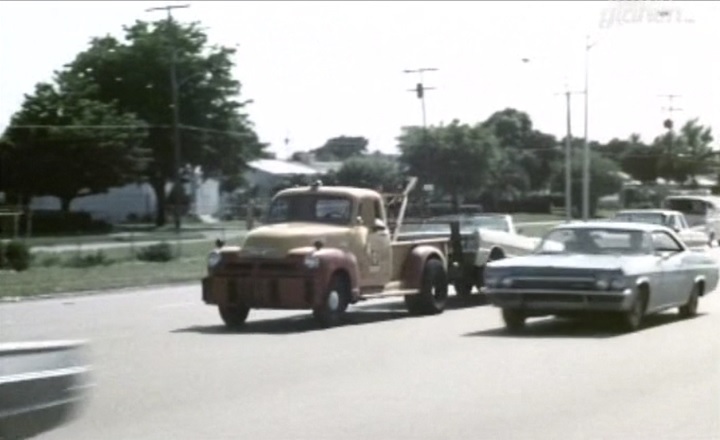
(115, 268)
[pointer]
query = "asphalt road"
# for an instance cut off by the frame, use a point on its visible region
(166, 369)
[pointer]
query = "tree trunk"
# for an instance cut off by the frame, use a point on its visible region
(455, 202)
(160, 204)
(65, 204)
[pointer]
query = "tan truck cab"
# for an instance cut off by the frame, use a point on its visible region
(323, 248)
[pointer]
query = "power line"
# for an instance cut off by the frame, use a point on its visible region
(126, 127)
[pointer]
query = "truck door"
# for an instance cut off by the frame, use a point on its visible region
(378, 250)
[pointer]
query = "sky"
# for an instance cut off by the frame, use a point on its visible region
(316, 70)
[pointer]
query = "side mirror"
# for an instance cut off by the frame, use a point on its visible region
(379, 225)
(676, 228)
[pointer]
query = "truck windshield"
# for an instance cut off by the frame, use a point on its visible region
(310, 208)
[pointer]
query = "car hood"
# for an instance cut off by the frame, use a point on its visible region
(277, 240)
(570, 261)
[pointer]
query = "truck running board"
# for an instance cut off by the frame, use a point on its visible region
(389, 293)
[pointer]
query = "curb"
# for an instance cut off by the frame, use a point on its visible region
(81, 293)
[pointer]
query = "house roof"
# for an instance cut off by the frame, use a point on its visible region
(281, 167)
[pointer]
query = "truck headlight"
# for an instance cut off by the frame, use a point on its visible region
(507, 282)
(213, 259)
(491, 282)
(311, 261)
(602, 284)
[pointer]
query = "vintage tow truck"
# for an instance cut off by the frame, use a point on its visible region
(322, 248)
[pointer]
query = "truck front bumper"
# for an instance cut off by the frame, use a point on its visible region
(260, 292)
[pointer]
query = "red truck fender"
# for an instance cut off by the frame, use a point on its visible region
(412, 272)
(333, 260)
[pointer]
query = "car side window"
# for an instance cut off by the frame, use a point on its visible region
(675, 223)
(663, 242)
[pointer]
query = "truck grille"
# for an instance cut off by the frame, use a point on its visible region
(265, 268)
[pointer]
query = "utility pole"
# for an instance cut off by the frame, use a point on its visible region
(670, 109)
(586, 143)
(568, 156)
(420, 89)
(668, 122)
(175, 109)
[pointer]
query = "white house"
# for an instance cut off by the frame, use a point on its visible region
(139, 201)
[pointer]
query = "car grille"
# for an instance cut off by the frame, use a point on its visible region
(554, 283)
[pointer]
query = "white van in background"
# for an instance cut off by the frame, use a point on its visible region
(701, 212)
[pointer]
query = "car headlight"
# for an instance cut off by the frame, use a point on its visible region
(602, 284)
(490, 282)
(507, 282)
(213, 259)
(618, 284)
(311, 261)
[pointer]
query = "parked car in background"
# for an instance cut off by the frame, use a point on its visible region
(701, 212)
(628, 269)
(694, 238)
(484, 237)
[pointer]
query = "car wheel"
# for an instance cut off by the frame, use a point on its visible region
(335, 302)
(514, 319)
(234, 316)
(433, 291)
(691, 306)
(632, 319)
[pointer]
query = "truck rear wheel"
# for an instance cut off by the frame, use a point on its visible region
(234, 316)
(335, 302)
(433, 291)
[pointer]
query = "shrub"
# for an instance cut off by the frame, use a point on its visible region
(156, 253)
(47, 222)
(50, 260)
(89, 260)
(17, 255)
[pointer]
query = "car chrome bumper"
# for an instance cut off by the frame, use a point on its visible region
(550, 301)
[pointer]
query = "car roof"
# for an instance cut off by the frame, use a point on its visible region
(357, 193)
(648, 211)
(711, 199)
(606, 224)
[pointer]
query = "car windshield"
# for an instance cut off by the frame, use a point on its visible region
(595, 241)
(688, 206)
(310, 208)
(641, 217)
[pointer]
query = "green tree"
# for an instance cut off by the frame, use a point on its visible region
(528, 151)
(687, 152)
(68, 155)
(341, 148)
(370, 172)
(456, 158)
(216, 134)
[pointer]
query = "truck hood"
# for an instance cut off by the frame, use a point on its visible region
(274, 241)
(572, 261)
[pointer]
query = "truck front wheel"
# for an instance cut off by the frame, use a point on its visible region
(335, 302)
(433, 291)
(234, 316)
